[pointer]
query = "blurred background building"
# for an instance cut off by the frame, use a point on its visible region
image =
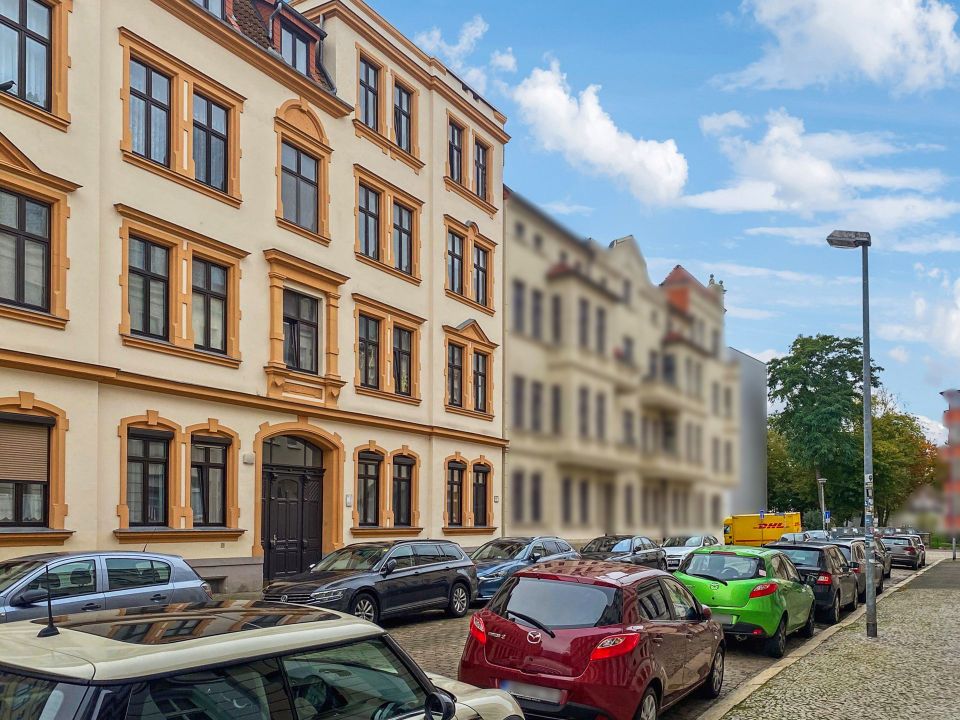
(750, 494)
(951, 454)
(622, 406)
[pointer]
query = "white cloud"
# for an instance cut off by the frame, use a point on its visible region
(900, 354)
(565, 207)
(907, 45)
(765, 355)
(790, 276)
(746, 313)
(504, 60)
(929, 244)
(720, 123)
(580, 129)
(456, 54)
(935, 431)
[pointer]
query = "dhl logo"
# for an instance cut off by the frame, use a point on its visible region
(770, 526)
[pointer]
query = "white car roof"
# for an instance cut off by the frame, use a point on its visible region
(122, 645)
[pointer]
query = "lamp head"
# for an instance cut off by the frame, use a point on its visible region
(848, 239)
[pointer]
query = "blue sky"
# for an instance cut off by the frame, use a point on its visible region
(731, 137)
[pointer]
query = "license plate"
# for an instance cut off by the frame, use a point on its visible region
(532, 692)
(723, 619)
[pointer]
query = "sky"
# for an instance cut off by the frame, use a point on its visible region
(732, 137)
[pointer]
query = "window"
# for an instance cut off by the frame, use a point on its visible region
(368, 488)
(25, 50)
(670, 370)
(584, 502)
(602, 417)
(133, 572)
(480, 270)
(601, 331)
(212, 6)
(583, 411)
(402, 238)
(556, 409)
(728, 457)
(208, 481)
(566, 501)
(294, 49)
(300, 332)
(629, 429)
(455, 263)
(370, 94)
(402, 494)
(209, 305)
(652, 603)
(298, 187)
(480, 375)
(556, 319)
(25, 474)
(536, 497)
(147, 475)
(24, 251)
(454, 375)
(455, 472)
(76, 577)
(536, 406)
(727, 402)
(455, 152)
(715, 398)
(480, 169)
(368, 218)
(428, 553)
(519, 306)
(519, 398)
(403, 118)
(149, 113)
(368, 352)
(481, 476)
(628, 350)
(148, 301)
(210, 143)
(518, 493)
(402, 361)
(583, 323)
(536, 314)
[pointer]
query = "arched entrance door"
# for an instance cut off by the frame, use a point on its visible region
(292, 508)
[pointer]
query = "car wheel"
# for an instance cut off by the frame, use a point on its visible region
(459, 601)
(649, 707)
(365, 607)
(834, 617)
(916, 564)
(662, 565)
(776, 644)
(714, 682)
(855, 601)
(809, 627)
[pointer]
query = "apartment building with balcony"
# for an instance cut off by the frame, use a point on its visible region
(251, 269)
(621, 405)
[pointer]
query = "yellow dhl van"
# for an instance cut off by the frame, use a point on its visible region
(759, 530)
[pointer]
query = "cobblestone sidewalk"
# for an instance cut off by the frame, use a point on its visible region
(910, 671)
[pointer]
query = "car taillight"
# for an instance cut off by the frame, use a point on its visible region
(478, 630)
(614, 645)
(763, 589)
(911, 551)
(824, 579)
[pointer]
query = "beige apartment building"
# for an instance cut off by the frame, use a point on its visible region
(251, 274)
(621, 404)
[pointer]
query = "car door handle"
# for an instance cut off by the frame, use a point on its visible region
(90, 606)
(159, 597)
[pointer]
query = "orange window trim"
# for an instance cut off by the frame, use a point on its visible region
(473, 340)
(389, 194)
(389, 317)
(177, 513)
(213, 428)
(471, 238)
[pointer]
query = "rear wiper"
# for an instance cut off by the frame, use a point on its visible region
(708, 577)
(533, 621)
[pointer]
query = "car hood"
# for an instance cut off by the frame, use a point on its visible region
(310, 581)
(601, 555)
(488, 567)
(678, 551)
(485, 703)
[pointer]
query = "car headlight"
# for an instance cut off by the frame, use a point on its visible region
(495, 576)
(322, 596)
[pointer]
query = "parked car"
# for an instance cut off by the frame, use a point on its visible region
(824, 569)
(884, 556)
(499, 559)
(904, 549)
(81, 582)
(921, 548)
(633, 549)
(375, 580)
(233, 659)
(586, 639)
(818, 534)
(753, 592)
(679, 546)
(855, 553)
(793, 538)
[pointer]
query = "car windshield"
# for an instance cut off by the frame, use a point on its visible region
(13, 570)
(360, 557)
(683, 541)
(607, 544)
(801, 557)
(722, 566)
(557, 604)
(499, 550)
(29, 698)
(896, 541)
(845, 549)
(818, 534)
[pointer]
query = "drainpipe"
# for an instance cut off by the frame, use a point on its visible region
(276, 9)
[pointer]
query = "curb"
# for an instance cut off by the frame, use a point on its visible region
(748, 687)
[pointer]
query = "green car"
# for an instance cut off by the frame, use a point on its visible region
(752, 592)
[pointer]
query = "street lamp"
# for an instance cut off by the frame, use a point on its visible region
(848, 239)
(821, 482)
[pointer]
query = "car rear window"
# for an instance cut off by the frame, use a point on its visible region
(722, 566)
(125, 573)
(451, 552)
(559, 604)
(805, 558)
(896, 541)
(29, 698)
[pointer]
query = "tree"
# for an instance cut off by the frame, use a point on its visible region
(787, 486)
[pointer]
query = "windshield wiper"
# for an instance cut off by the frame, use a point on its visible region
(708, 577)
(533, 621)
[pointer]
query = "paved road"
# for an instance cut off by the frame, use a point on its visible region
(436, 643)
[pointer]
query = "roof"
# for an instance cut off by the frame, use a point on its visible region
(50, 556)
(680, 279)
(591, 572)
(134, 643)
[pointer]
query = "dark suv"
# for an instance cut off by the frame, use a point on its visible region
(855, 552)
(824, 569)
(382, 579)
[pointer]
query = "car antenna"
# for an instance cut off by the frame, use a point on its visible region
(50, 630)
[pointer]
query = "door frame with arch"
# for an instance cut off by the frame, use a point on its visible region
(331, 445)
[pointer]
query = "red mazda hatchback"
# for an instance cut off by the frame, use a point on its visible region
(591, 640)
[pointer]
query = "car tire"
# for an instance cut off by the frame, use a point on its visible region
(855, 602)
(459, 600)
(834, 615)
(662, 565)
(365, 606)
(776, 645)
(916, 564)
(714, 683)
(809, 627)
(649, 708)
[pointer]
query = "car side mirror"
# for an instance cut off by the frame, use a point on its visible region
(439, 706)
(28, 598)
(705, 613)
(390, 566)
(854, 565)
(535, 557)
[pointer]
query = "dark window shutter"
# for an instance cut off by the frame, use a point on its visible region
(24, 451)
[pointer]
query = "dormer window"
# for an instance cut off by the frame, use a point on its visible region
(293, 49)
(212, 6)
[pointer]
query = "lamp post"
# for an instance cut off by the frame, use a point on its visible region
(821, 483)
(848, 239)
